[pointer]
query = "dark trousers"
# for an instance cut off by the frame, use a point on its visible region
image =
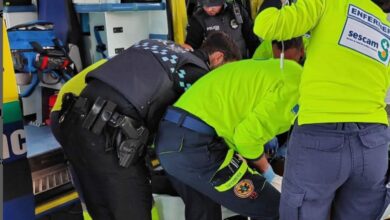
(192, 158)
(339, 164)
(197, 205)
(110, 192)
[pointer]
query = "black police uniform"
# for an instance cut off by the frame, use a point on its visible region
(200, 24)
(270, 3)
(140, 83)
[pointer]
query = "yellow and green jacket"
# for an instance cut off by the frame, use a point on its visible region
(246, 102)
(345, 77)
(264, 50)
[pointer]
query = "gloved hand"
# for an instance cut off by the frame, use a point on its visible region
(282, 151)
(274, 179)
(271, 147)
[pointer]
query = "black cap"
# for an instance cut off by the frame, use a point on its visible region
(211, 3)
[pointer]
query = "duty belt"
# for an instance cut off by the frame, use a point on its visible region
(184, 119)
(102, 115)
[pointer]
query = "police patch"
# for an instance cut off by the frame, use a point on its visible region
(244, 188)
(234, 24)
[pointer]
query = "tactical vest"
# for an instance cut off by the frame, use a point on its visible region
(143, 75)
(226, 22)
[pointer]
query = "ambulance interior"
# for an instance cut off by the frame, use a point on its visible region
(90, 30)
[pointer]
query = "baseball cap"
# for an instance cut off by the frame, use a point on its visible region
(211, 3)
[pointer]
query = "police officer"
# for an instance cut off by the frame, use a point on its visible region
(105, 129)
(338, 148)
(211, 141)
(216, 15)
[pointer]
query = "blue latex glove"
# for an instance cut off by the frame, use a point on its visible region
(269, 174)
(272, 178)
(282, 151)
(271, 147)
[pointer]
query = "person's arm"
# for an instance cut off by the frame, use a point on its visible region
(251, 40)
(261, 164)
(273, 115)
(264, 51)
(267, 172)
(195, 33)
(290, 21)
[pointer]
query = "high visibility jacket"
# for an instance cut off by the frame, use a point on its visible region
(264, 50)
(246, 102)
(345, 76)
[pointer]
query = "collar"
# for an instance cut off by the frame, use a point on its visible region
(202, 55)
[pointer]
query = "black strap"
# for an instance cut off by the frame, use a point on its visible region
(94, 113)
(237, 13)
(104, 117)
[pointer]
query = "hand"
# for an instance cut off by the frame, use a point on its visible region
(271, 147)
(277, 182)
(268, 173)
(282, 151)
(187, 47)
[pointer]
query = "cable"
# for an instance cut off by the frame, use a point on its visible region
(282, 56)
(30, 89)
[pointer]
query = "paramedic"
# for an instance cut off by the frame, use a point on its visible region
(337, 154)
(211, 141)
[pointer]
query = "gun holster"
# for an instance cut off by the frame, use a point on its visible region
(121, 131)
(134, 144)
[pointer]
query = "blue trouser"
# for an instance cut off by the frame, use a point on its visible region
(197, 205)
(335, 166)
(193, 155)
